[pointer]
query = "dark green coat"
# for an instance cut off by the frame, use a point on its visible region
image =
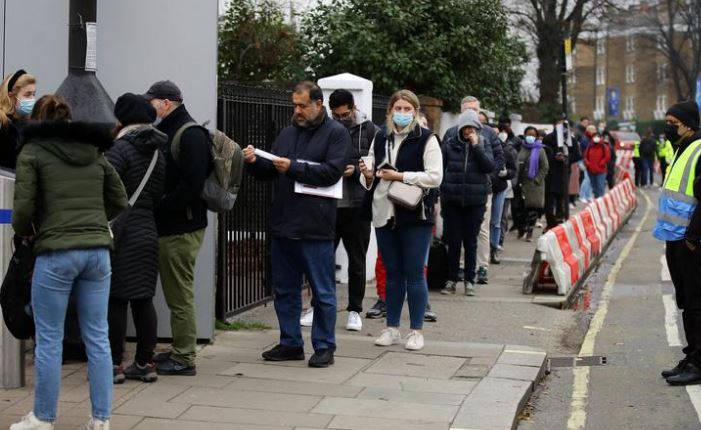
(532, 190)
(65, 188)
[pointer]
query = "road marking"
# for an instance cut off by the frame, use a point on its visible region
(695, 395)
(664, 272)
(580, 386)
(670, 320)
(530, 327)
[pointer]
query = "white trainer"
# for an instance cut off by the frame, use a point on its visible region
(414, 341)
(307, 318)
(355, 323)
(95, 424)
(31, 422)
(388, 336)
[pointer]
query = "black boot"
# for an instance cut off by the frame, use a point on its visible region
(675, 370)
(493, 257)
(689, 375)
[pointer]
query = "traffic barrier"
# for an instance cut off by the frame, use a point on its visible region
(571, 250)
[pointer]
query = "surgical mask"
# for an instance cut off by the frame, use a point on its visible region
(671, 132)
(601, 129)
(530, 140)
(402, 119)
(597, 139)
(25, 107)
(503, 136)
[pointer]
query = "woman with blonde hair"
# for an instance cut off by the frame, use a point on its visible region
(403, 153)
(17, 98)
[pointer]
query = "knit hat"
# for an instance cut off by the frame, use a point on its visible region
(469, 118)
(687, 112)
(134, 109)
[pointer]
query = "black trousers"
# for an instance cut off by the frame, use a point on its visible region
(638, 166)
(685, 270)
(145, 322)
(354, 231)
(556, 206)
(663, 170)
(462, 227)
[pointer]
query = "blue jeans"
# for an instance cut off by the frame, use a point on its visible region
(404, 251)
(495, 219)
(648, 172)
(598, 184)
(293, 259)
(85, 273)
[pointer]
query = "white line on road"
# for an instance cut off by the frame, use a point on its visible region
(664, 272)
(670, 320)
(580, 388)
(695, 395)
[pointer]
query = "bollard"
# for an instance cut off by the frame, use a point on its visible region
(12, 350)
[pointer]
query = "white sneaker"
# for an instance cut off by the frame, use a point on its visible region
(355, 323)
(414, 341)
(31, 422)
(307, 318)
(95, 424)
(388, 336)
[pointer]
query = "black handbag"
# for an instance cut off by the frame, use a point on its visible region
(118, 225)
(16, 290)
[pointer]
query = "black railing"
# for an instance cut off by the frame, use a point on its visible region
(379, 109)
(251, 116)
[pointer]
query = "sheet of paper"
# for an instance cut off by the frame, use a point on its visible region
(265, 154)
(333, 192)
(560, 133)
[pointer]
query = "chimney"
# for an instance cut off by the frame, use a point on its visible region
(82, 90)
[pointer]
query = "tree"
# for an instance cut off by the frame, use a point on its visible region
(255, 43)
(442, 48)
(678, 31)
(548, 22)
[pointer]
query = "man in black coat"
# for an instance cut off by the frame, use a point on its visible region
(557, 181)
(310, 154)
(181, 219)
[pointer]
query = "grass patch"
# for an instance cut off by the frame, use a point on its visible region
(240, 325)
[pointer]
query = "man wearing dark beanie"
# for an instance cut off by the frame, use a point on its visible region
(679, 225)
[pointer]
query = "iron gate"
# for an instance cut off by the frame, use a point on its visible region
(251, 116)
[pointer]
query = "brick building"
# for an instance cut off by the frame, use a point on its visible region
(620, 73)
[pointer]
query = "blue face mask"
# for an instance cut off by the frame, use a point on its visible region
(402, 119)
(530, 140)
(25, 107)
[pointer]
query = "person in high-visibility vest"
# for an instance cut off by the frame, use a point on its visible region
(637, 163)
(665, 154)
(679, 225)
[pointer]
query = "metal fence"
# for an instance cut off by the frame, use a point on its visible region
(251, 116)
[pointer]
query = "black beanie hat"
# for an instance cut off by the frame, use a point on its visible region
(687, 112)
(134, 109)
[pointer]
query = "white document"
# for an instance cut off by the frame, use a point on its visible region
(560, 132)
(333, 192)
(265, 154)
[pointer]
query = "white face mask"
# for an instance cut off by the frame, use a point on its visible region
(503, 136)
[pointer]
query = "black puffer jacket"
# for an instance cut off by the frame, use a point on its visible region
(466, 172)
(9, 144)
(362, 132)
(499, 183)
(135, 259)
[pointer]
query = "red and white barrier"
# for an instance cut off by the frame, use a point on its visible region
(570, 249)
(624, 164)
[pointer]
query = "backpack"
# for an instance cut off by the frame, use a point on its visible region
(16, 290)
(222, 185)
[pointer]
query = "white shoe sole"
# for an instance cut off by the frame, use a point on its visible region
(354, 328)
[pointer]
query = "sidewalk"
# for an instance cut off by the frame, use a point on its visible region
(445, 386)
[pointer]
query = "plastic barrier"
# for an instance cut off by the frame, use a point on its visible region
(570, 250)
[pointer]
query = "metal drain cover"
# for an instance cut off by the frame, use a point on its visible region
(593, 360)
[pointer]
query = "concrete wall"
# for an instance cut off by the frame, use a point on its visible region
(138, 43)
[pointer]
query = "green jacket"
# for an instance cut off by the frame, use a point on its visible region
(65, 189)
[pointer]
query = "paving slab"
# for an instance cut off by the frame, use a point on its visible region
(256, 417)
(247, 399)
(411, 396)
(345, 422)
(161, 424)
(416, 364)
(510, 371)
(293, 387)
(154, 402)
(522, 357)
(300, 372)
(386, 409)
(493, 405)
(408, 383)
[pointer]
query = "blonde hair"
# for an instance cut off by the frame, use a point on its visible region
(407, 96)
(8, 99)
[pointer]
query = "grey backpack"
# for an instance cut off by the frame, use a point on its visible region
(222, 185)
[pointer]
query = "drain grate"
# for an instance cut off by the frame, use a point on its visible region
(593, 360)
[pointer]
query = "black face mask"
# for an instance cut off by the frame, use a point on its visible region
(671, 132)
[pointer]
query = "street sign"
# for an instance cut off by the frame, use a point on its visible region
(568, 54)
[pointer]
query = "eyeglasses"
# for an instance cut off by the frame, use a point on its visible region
(344, 115)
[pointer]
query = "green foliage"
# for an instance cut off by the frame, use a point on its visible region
(256, 44)
(442, 48)
(240, 325)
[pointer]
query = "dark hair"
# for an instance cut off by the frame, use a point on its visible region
(310, 87)
(51, 108)
(583, 118)
(530, 127)
(340, 98)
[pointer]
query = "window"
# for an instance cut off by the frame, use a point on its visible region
(601, 46)
(630, 43)
(661, 71)
(600, 75)
(662, 103)
(600, 103)
(572, 77)
(573, 105)
(630, 74)
(629, 111)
